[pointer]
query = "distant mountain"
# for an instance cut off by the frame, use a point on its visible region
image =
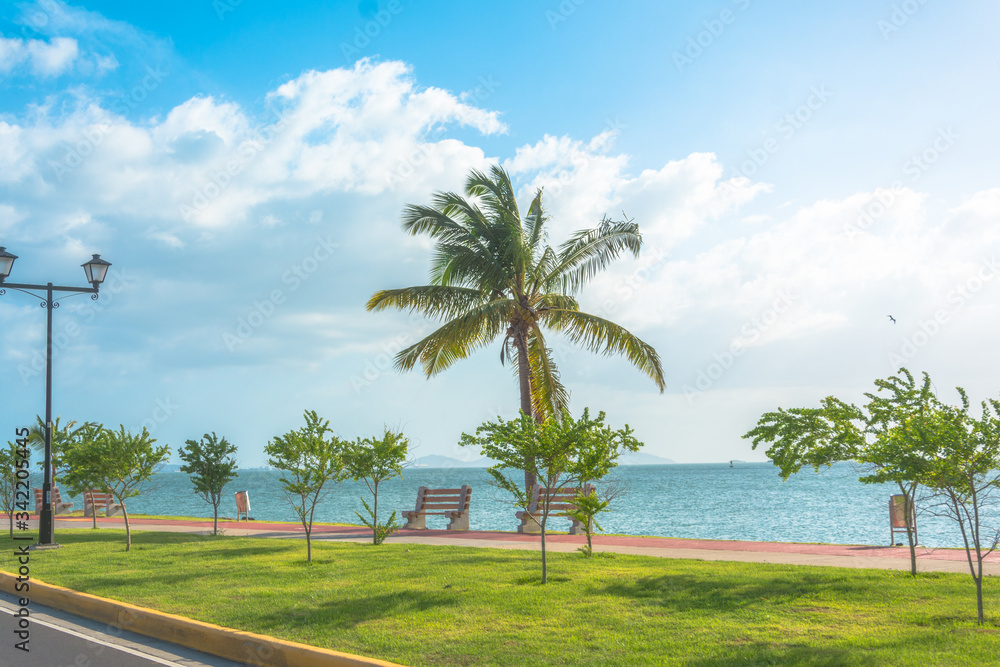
(169, 467)
(642, 459)
(438, 461)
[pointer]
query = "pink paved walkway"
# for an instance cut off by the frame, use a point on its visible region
(674, 547)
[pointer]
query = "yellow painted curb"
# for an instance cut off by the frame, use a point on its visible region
(235, 645)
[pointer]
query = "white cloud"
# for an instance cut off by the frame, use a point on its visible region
(12, 53)
(53, 58)
(45, 59)
(167, 239)
(208, 162)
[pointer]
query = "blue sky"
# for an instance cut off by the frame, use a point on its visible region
(799, 171)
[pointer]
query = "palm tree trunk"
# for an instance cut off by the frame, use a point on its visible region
(523, 376)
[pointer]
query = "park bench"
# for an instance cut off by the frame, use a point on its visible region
(560, 503)
(452, 503)
(94, 501)
(58, 506)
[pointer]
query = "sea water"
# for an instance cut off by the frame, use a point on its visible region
(748, 501)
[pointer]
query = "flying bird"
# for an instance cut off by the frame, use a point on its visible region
(891, 318)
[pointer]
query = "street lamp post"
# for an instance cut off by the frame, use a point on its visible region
(96, 270)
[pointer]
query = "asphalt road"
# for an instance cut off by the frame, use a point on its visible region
(58, 639)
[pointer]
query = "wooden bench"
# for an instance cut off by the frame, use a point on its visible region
(94, 501)
(58, 506)
(560, 502)
(452, 503)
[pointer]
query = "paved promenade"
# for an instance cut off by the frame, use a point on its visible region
(834, 555)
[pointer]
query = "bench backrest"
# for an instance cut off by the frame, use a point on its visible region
(441, 500)
(56, 499)
(98, 497)
(560, 500)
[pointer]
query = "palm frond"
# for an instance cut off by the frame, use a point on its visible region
(458, 338)
(605, 337)
(590, 251)
(437, 301)
(554, 300)
(431, 221)
(542, 268)
(495, 190)
(497, 195)
(478, 268)
(534, 222)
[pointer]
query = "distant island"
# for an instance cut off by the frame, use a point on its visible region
(438, 461)
(642, 459)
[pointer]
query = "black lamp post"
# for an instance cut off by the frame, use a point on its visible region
(96, 270)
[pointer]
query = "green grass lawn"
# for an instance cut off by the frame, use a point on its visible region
(424, 605)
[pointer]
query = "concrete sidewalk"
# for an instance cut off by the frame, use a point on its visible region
(834, 555)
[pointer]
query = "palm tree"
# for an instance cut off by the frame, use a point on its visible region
(494, 274)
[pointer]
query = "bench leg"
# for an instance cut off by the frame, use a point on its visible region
(415, 520)
(112, 510)
(529, 524)
(459, 521)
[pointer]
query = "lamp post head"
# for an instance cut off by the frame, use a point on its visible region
(96, 270)
(6, 263)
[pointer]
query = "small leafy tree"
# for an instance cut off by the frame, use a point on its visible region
(588, 506)
(82, 481)
(558, 453)
(964, 477)
(374, 461)
(119, 461)
(310, 457)
(891, 437)
(210, 463)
